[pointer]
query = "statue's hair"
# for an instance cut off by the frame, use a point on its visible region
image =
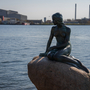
(58, 17)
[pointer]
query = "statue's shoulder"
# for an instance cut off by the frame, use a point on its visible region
(68, 29)
(54, 27)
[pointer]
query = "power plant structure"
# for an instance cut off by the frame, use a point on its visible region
(75, 10)
(89, 11)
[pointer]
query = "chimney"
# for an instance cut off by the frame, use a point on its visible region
(75, 10)
(89, 11)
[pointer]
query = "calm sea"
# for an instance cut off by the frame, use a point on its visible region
(19, 44)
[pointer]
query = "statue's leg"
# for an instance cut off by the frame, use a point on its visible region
(64, 59)
(55, 52)
(61, 55)
(51, 54)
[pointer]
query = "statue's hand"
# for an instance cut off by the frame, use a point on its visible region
(43, 54)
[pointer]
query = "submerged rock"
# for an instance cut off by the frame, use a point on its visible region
(51, 75)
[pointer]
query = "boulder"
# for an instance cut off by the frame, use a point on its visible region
(51, 75)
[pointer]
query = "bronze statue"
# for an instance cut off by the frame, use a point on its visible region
(61, 52)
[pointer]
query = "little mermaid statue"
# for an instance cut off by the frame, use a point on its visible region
(61, 51)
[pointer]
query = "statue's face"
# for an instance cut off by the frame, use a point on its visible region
(57, 20)
(54, 21)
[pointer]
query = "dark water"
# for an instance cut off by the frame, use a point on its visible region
(19, 44)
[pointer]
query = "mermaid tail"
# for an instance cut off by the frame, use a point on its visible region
(79, 65)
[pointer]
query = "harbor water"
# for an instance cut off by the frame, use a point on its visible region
(20, 43)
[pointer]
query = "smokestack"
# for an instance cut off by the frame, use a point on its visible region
(75, 10)
(89, 11)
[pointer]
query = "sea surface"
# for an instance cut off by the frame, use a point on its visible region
(20, 43)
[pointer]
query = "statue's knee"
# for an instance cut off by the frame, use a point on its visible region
(49, 56)
(55, 56)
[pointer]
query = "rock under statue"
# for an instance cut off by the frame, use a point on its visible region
(61, 52)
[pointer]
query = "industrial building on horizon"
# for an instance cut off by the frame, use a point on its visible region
(12, 14)
(13, 17)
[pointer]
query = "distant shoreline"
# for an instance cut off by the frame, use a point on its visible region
(44, 24)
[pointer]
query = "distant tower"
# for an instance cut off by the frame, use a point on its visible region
(44, 19)
(75, 10)
(89, 11)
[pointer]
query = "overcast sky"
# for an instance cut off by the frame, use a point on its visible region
(38, 9)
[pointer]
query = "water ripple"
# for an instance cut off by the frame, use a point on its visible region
(16, 61)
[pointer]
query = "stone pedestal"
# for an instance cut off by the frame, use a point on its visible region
(51, 75)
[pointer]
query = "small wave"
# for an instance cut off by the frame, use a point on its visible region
(26, 48)
(11, 61)
(24, 54)
(24, 73)
(6, 85)
(30, 88)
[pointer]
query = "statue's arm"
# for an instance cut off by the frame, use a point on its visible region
(48, 44)
(50, 39)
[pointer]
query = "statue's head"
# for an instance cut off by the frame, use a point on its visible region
(57, 18)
